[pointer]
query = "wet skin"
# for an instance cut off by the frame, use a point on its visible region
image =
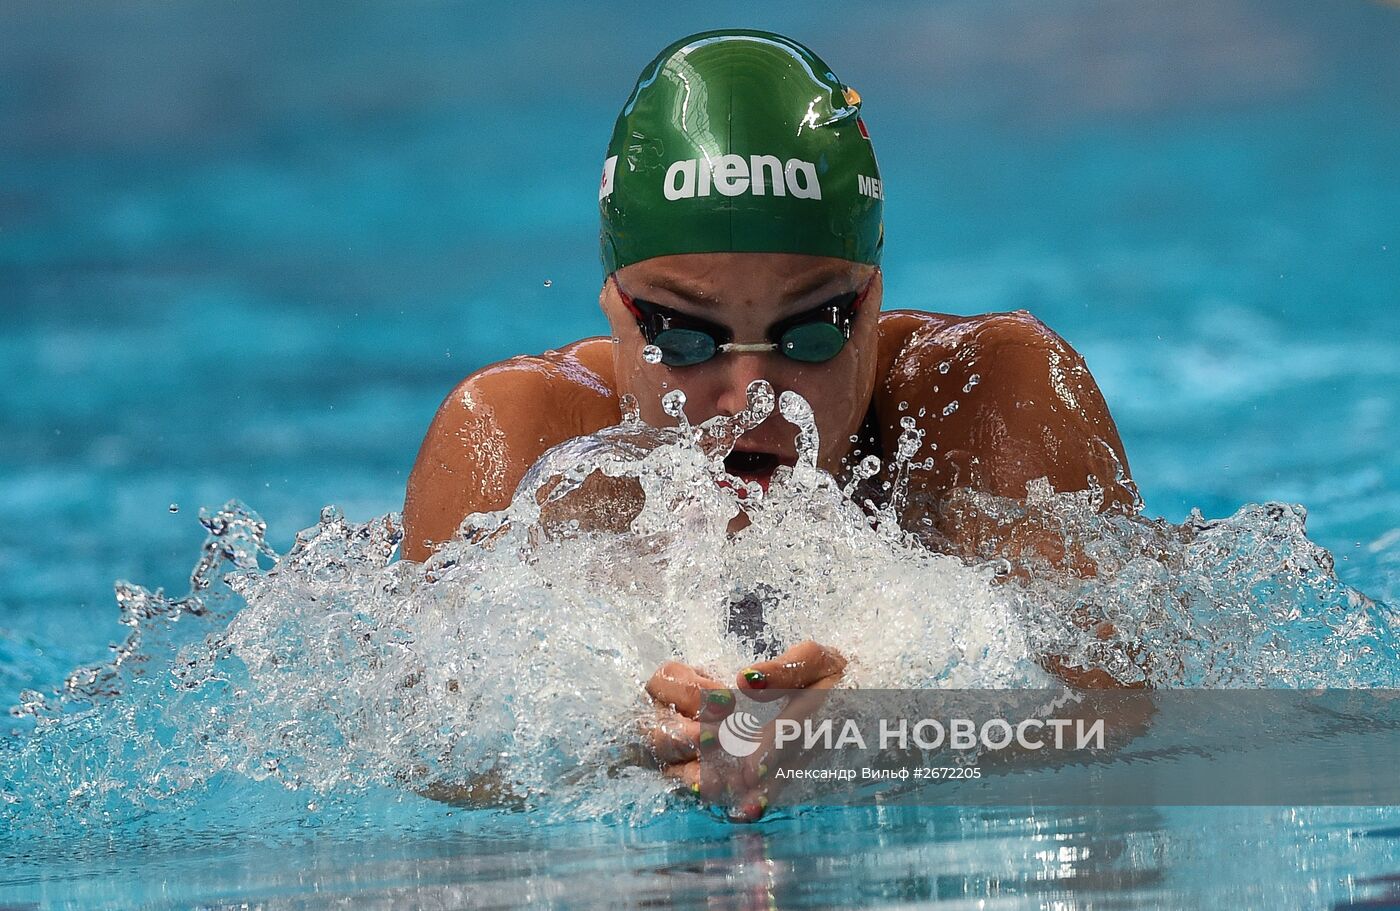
(1026, 408)
(1036, 411)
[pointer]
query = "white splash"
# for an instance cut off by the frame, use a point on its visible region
(515, 658)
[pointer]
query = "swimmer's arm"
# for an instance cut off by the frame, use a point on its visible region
(490, 430)
(1034, 411)
(487, 790)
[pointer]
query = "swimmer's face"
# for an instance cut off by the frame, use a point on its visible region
(748, 293)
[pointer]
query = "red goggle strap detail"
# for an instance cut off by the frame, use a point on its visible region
(855, 305)
(627, 301)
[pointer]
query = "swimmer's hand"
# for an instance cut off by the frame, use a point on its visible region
(686, 698)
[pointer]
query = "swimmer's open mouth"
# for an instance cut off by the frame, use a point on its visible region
(754, 466)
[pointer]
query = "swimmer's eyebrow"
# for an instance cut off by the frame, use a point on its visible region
(679, 288)
(800, 290)
(794, 291)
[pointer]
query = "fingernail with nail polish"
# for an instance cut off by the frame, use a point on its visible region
(719, 698)
(755, 679)
(750, 811)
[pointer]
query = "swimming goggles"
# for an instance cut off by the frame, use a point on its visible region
(812, 336)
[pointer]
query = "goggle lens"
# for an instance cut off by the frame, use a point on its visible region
(684, 347)
(812, 343)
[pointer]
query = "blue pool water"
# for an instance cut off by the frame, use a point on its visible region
(245, 250)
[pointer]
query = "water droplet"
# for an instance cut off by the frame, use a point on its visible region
(174, 507)
(903, 406)
(548, 283)
(909, 441)
(972, 381)
(631, 411)
(950, 408)
(868, 468)
(673, 403)
(760, 400)
(944, 367)
(651, 354)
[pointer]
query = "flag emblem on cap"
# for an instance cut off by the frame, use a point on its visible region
(606, 187)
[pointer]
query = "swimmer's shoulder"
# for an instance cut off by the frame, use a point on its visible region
(912, 335)
(1006, 400)
(494, 425)
(916, 346)
(556, 395)
(570, 387)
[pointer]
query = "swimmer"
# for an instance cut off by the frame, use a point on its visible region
(741, 239)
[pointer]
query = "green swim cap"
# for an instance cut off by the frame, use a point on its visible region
(740, 140)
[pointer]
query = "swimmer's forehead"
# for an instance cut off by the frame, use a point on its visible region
(776, 286)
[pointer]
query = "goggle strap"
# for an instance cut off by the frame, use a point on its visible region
(627, 302)
(865, 292)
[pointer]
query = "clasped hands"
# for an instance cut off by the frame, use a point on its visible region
(685, 699)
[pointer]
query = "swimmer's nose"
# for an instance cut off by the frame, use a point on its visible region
(739, 371)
